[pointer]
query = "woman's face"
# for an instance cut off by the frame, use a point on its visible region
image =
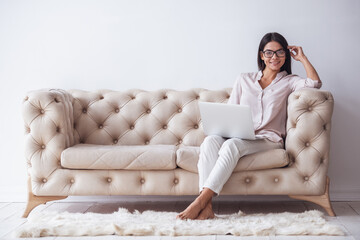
(278, 58)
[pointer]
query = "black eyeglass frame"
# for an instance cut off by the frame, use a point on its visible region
(274, 52)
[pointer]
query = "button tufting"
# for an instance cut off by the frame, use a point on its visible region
(44, 180)
(101, 126)
(133, 97)
(101, 97)
(247, 180)
(57, 129)
(109, 180)
(42, 111)
(197, 97)
(180, 141)
(309, 108)
(43, 146)
(56, 100)
(176, 181)
(26, 98)
(227, 96)
(307, 144)
(276, 180)
(142, 181)
(196, 126)
(306, 178)
(132, 127)
(147, 142)
(84, 110)
(72, 180)
(165, 127)
(165, 97)
(324, 126)
(115, 141)
(117, 110)
(148, 111)
(179, 110)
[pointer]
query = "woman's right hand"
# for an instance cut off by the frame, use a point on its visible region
(297, 53)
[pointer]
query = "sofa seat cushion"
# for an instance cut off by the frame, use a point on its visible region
(135, 157)
(188, 157)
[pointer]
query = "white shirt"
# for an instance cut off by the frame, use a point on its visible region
(268, 105)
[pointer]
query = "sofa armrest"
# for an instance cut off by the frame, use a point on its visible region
(48, 118)
(308, 133)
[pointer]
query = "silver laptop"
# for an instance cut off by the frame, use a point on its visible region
(227, 120)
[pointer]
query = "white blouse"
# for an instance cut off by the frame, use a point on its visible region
(268, 105)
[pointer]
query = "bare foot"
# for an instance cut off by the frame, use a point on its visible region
(207, 212)
(193, 210)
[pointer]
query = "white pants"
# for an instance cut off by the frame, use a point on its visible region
(219, 157)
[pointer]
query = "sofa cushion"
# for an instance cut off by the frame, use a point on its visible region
(137, 157)
(188, 157)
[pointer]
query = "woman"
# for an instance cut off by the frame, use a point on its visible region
(266, 92)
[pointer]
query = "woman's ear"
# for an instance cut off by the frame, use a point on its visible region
(262, 55)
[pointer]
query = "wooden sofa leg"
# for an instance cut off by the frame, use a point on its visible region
(322, 200)
(34, 201)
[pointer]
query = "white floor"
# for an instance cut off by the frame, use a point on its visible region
(348, 216)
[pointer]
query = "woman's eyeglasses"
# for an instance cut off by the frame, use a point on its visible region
(270, 54)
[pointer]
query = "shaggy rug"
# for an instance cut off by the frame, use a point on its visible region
(125, 223)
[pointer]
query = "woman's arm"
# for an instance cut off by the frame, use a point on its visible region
(300, 56)
(235, 93)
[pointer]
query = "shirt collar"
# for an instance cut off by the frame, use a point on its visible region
(278, 76)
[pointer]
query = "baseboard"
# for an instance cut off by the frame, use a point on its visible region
(19, 194)
(352, 194)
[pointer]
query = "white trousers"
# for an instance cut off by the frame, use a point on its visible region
(219, 156)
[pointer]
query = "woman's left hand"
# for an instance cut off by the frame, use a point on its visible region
(297, 53)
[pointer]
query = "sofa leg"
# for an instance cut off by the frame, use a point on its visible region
(34, 201)
(322, 200)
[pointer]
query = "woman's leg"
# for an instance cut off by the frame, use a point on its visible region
(209, 153)
(231, 151)
(202, 205)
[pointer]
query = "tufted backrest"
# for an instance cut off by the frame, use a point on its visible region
(138, 117)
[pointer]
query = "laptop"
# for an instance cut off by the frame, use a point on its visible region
(227, 120)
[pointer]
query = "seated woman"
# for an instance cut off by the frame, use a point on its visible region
(266, 92)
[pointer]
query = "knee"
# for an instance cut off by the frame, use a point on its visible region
(232, 145)
(212, 141)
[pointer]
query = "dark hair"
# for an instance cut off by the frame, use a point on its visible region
(277, 37)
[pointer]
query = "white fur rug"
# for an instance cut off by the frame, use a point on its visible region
(164, 223)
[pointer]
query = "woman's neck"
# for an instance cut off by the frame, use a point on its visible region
(269, 74)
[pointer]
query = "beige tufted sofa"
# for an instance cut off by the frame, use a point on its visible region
(147, 143)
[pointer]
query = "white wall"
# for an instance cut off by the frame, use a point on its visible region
(172, 44)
